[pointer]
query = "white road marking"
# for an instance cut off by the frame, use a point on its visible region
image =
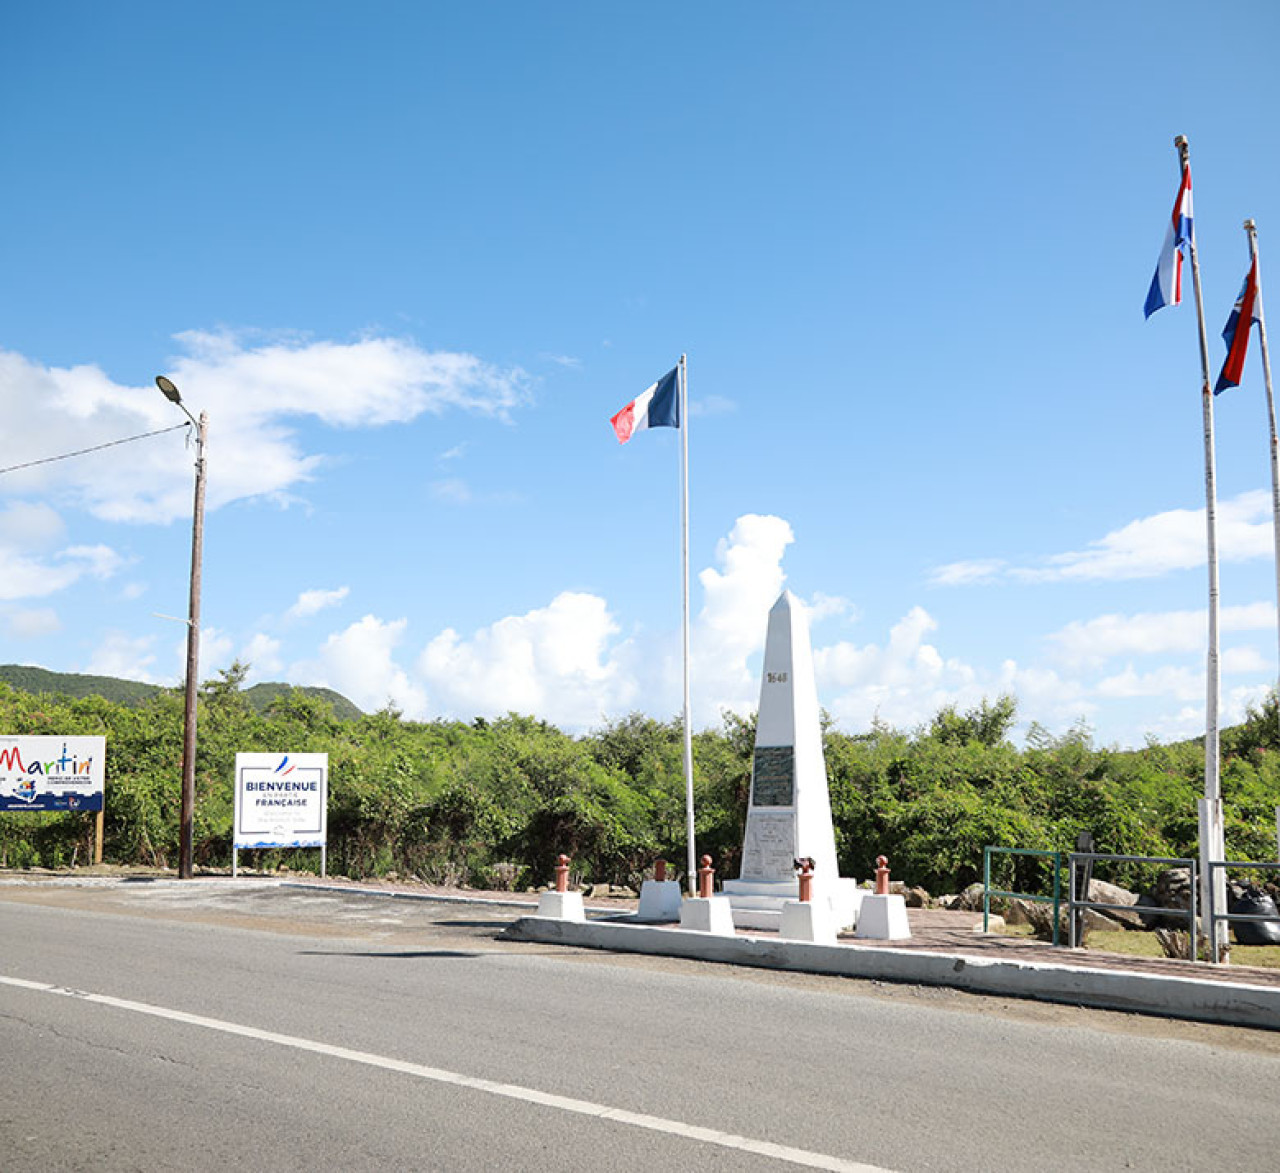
(508, 1091)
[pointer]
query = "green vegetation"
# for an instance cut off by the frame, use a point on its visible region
(491, 803)
(26, 678)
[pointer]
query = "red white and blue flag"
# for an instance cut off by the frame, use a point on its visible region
(1236, 335)
(1166, 285)
(655, 407)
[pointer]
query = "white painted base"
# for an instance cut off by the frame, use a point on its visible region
(659, 900)
(707, 914)
(807, 921)
(758, 904)
(562, 905)
(846, 902)
(883, 918)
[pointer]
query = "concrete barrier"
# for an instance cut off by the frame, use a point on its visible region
(1230, 1003)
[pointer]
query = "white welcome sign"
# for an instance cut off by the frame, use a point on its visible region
(281, 800)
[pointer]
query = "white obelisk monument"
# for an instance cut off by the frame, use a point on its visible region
(789, 808)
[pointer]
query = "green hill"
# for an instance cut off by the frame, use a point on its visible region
(27, 678)
(261, 695)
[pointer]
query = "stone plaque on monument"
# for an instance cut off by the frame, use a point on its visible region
(773, 776)
(769, 847)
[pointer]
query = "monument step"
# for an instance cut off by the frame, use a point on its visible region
(778, 889)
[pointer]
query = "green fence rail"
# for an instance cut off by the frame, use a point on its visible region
(988, 891)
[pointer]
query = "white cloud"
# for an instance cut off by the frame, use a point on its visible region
(554, 662)
(30, 567)
(262, 654)
(251, 393)
(215, 652)
(736, 601)
(978, 570)
(1094, 641)
(1145, 548)
(1170, 680)
(31, 624)
(359, 663)
(30, 526)
(26, 577)
(119, 654)
(311, 602)
(453, 490)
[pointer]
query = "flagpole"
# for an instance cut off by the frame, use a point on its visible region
(1212, 837)
(692, 872)
(1251, 229)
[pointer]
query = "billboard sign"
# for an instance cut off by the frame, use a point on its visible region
(281, 800)
(41, 773)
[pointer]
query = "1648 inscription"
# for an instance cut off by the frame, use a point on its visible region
(773, 776)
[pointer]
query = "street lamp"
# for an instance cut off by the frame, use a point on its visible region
(186, 816)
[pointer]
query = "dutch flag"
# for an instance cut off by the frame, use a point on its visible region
(1247, 310)
(655, 407)
(1166, 285)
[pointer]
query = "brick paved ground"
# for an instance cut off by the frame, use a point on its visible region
(936, 930)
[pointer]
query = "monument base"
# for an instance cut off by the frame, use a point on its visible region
(883, 918)
(659, 901)
(803, 920)
(562, 906)
(707, 914)
(757, 904)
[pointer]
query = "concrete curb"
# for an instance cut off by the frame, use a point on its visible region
(1226, 1003)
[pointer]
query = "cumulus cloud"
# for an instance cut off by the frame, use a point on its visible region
(253, 388)
(120, 654)
(552, 660)
(27, 577)
(1094, 641)
(311, 602)
(262, 654)
(1145, 548)
(360, 663)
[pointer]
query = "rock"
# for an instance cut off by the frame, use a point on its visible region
(1016, 913)
(917, 898)
(995, 924)
(1103, 893)
(950, 902)
(1172, 890)
(970, 900)
(1040, 918)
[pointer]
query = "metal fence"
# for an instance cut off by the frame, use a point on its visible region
(1214, 914)
(1079, 904)
(988, 891)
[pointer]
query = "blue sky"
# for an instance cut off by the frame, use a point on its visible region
(410, 257)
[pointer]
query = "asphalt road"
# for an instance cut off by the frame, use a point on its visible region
(209, 1026)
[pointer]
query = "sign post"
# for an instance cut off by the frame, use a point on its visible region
(281, 800)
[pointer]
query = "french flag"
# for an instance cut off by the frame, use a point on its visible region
(1166, 285)
(655, 407)
(1248, 311)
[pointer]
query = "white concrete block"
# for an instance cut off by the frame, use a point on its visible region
(562, 905)
(659, 900)
(883, 918)
(807, 920)
(707, 914)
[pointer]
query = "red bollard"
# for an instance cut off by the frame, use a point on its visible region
(562, 873)
(706, 877)
(882, 875)
(660, 871)
(806, 879)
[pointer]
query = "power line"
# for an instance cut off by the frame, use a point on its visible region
(95, 448)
